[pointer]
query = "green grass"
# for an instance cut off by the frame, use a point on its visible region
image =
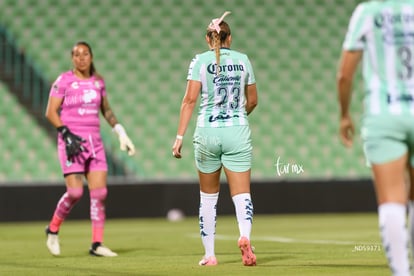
(321, 244)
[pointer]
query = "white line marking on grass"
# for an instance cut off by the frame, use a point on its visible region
(285, 240)
(291, 240)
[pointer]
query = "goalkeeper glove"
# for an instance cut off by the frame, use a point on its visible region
(125, 142)
(73, 142)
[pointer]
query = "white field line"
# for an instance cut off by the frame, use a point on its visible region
(290, 240)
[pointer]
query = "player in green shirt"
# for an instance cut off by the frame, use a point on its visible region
(225, 82)
(381, 34)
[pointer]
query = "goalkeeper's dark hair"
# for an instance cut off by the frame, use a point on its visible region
(218, 39)
(92, 70)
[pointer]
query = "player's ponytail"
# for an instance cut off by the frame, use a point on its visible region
(216, 45)
(218, 31)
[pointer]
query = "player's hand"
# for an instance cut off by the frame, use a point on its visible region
(176, 149)
(124, 141)
(346, 131)
(73, 142)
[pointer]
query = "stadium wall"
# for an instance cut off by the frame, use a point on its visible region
(34, 202)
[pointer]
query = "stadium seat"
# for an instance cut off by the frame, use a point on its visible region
(143, 48)
(27, 152)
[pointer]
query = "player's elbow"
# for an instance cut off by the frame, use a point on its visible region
(51, 115)
(250, 106)
(48, 114)
(252, 102)
(343, 79)
(188, 100)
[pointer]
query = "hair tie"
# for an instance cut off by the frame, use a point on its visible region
(215, 23)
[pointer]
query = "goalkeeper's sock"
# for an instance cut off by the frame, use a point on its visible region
(207, 220)
(55, 224)
(411, 224)
(97, 209)
(65, 204)
(392, 218)
(97, 234)
(244, 213)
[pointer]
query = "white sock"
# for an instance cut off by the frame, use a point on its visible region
(244, 213)
(411, 224)
(392, 217)
(207, 221)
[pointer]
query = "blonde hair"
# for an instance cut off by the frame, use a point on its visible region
(218, 39)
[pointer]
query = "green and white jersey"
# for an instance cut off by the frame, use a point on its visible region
(384, 30)
(223, 98)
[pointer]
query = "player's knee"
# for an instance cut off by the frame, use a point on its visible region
(75, 193)
(99, 193)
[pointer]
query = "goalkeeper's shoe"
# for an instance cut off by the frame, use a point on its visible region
(210, 261)
(248, 257)
(52, 242)
(99, 250)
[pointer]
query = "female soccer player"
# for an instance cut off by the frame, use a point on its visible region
(226, 82)
(75, 101)
(382, 33)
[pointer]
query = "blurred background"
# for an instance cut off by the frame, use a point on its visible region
(143, 49)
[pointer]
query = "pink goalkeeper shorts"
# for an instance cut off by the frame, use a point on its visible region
(92, 159)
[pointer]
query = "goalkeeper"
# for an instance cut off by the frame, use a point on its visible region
(76, 99)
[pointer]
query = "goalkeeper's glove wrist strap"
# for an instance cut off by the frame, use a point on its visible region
(119, 129)
(62, 129)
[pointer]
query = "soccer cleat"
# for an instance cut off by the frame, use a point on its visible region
(52, 242)
(99, 250)
(210, 261)
(248, 257)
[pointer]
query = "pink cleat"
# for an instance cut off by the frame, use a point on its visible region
(248, 257)
(210, 261)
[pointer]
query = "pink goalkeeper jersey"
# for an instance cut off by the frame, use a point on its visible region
(81, 101)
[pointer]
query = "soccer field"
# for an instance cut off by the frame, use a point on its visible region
(309, 244)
